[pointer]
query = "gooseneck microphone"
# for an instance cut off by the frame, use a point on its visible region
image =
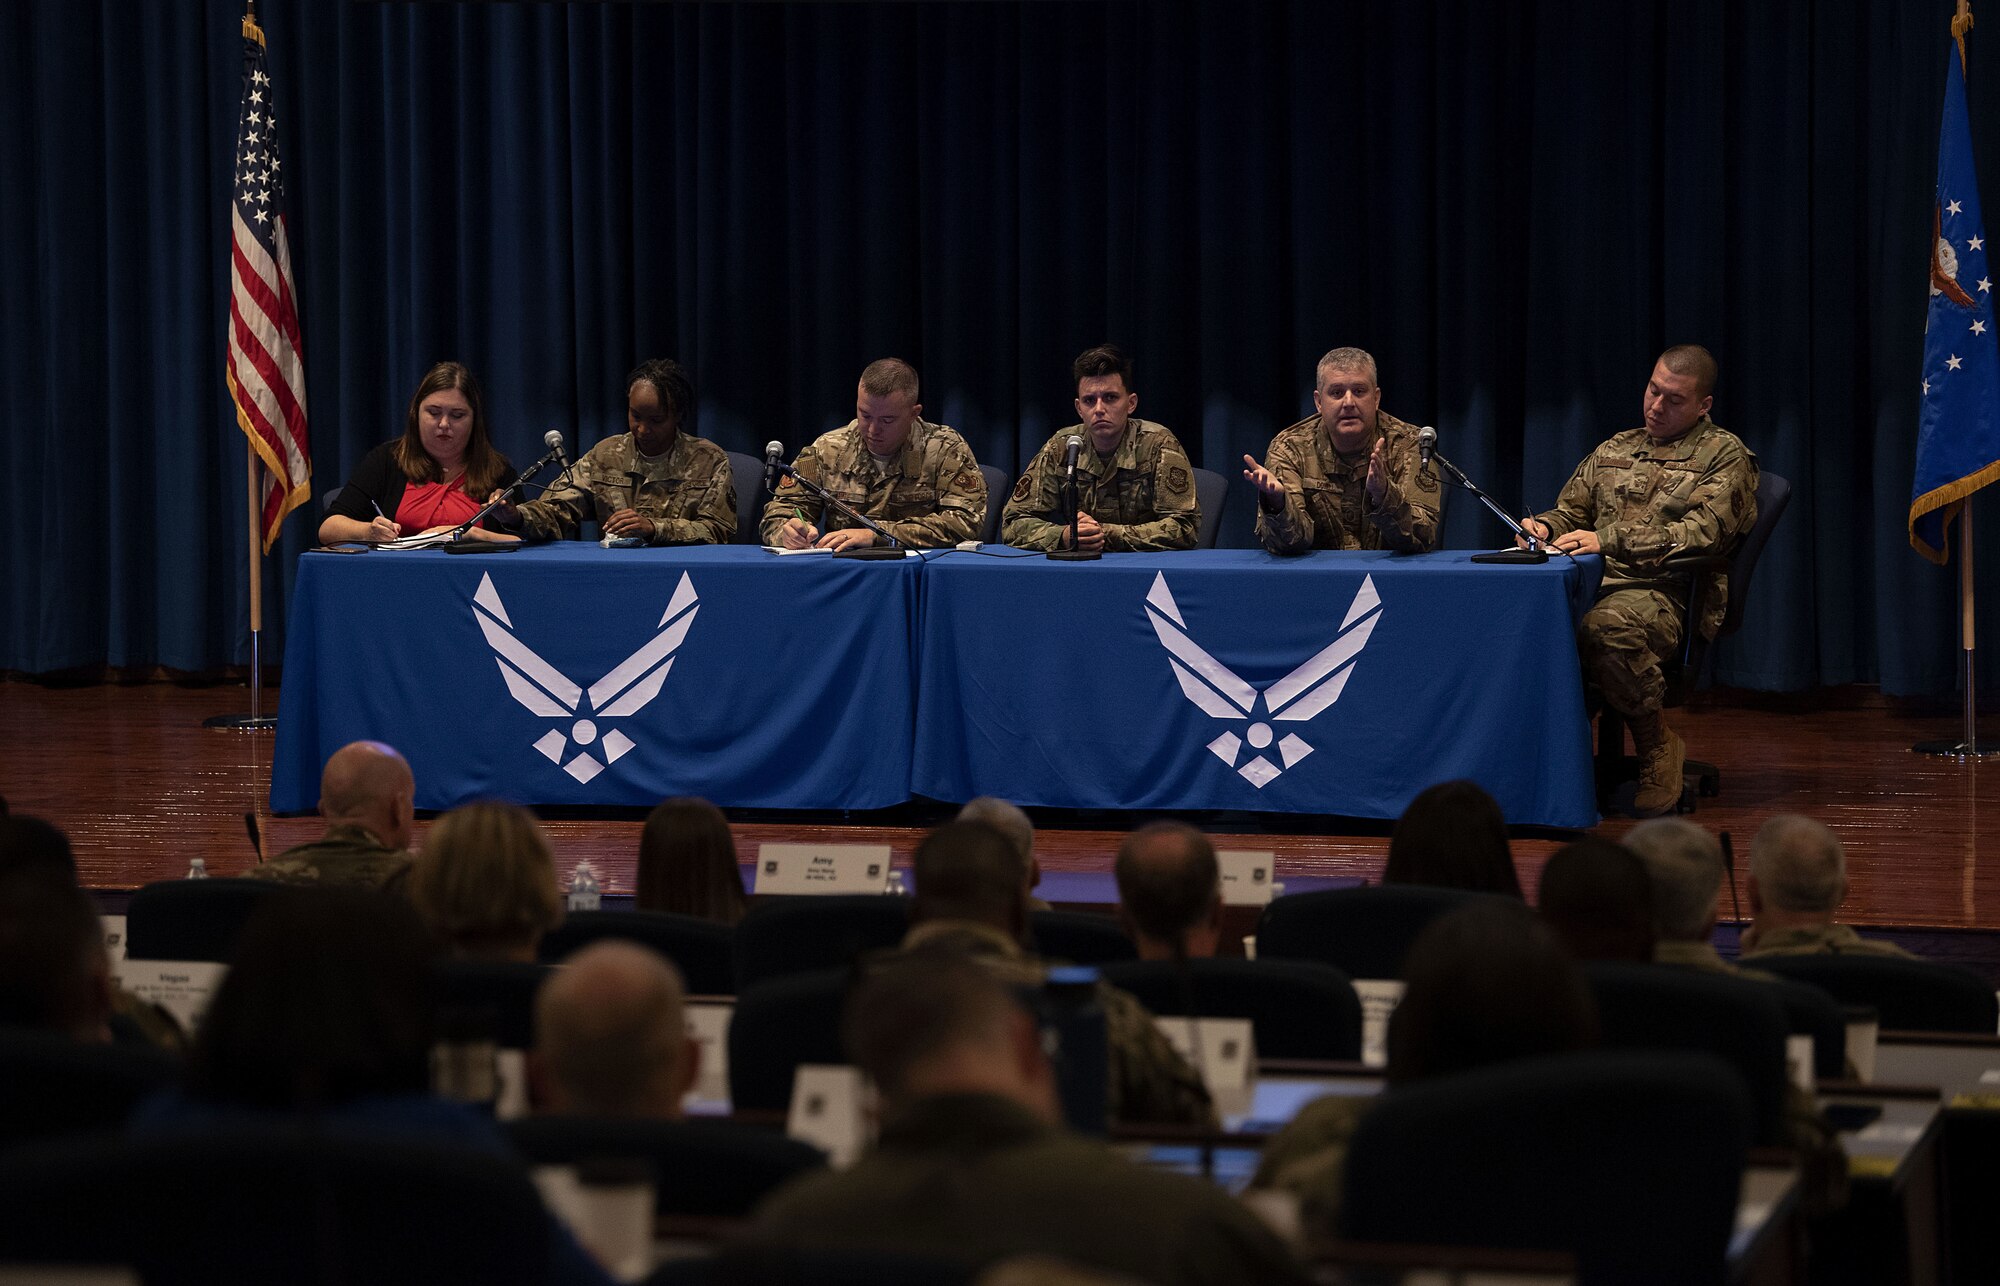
(773, 451)
(553, 440)
(1071, 450)
(1427, 440)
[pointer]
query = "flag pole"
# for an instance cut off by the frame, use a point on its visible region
(1968, 746)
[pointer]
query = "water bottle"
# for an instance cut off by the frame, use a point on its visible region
(198, 869)
(584, 892)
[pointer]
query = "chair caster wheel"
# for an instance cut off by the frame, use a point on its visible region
(1710, 787)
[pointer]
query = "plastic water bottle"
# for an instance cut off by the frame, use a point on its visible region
(198, 869)
(585, 894)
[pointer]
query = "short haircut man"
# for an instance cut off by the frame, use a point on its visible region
(1101, 362)
(611, 1036)
(1014, 827)
(1170, 891)
(968, 871)
(936, 1022)
(1695, 361)
(368, 797)
(1798, 879)
(1598, 898)
(1348, 360)
(1684, 862)
(888, 375)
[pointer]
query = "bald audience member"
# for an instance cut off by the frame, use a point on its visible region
(1019, 832)
(1798, 879)
(1684, 863)
(368, 797)
(1170, 892)
(1597, 897)
(973, 1164)
(611, 1036)
(970, 901)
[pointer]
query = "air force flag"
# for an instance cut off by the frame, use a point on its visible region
(1958, 428)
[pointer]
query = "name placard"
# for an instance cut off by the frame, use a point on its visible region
(708, 1027)
(1247, 878)
(829, 1110)
(822, 868)
(1223, 1050)
(181, 987)
(114, 938)
(1379, 998)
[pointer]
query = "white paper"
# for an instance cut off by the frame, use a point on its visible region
(780, 549)
(1379, 998)
(829, 1111)
(708, 1026)
(1223, 1050)
(822, 868)
(182, 987)
(1247, 877)
(114, 938)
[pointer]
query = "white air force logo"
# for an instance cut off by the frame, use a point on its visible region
(545, 691)
(1299, 696)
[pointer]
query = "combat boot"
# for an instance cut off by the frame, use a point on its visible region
(1661, 752)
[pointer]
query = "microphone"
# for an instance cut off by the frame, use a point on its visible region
(553, 440)
(772, 451)
(1427, 440)
(1071, 449)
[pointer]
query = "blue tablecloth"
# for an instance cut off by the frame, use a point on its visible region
(570, 674)
(1336, 683)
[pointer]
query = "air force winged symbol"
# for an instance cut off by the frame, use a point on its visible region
(1299, 696)
(544, 690)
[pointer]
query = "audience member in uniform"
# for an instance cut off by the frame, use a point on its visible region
(687, 862)
(973, 1164)
(611, 1035)
(1597, 897)
(1019, 831)
(1684, 862)
(971, 898)
(486, 882)
(329, 1012)
(1170, 892)
(1484, 984)
(368, 798)
(1453, 836)
(1798, 879)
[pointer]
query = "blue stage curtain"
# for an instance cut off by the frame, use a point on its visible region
(1513, 206)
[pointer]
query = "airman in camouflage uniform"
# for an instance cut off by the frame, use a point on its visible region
(1798, 879)
(656, 482)
(1679, 486)
(347, 855)
(1347, 477)
(368, 797)
(916, 479)
(1135, 487)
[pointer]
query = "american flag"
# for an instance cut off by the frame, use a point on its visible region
(266, 368)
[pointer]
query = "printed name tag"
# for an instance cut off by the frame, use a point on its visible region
(829, 1111)
(1799, 1061)
(1246, 877)
(1379, 998)
(1223, 1050)
(114, 938)
(823, 868)
(708, 1027)
(181, 987)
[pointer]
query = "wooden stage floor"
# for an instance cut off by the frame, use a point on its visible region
(142, 787)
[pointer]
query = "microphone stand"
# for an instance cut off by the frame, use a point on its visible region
(827, 500)
(459, 544)
(1534, 553)
(1074, 554)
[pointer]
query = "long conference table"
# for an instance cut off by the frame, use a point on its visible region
(1338, 683)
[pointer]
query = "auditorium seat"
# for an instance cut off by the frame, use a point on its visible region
(1738, 1020)
(778, 1024)
(1211, 492)
(701, 1169)
(1297, 1008)
(254, 1205)
(997, 483)
(703, 950)
(753, 1265)
(499, 993)
(1811, 1011)
(746, 473)
(1362, 932)
(799, 933)
(195, 919)
(1630, 1161)
(1910, 995)
(1078, 937)
(52, 1085)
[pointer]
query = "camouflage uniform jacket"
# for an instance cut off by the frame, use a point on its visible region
(1650, 501)
(1151, 1084)
(1143, 495)
(1326, 495)
(1703, 956)
(1822, 940)
(687, 491)
(349, 856)
(930, 496)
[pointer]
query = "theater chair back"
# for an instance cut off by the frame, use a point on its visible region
(798, 934)
(1078, 937)
(701, 1169)
(1630, 1161)
(779, 1024)
(1362, 932)
(704, 951)
(51, 1085)
(1911, 995)
(1297, 1008)
(195, 919)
